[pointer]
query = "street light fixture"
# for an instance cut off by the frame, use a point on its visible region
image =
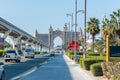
(82, 11)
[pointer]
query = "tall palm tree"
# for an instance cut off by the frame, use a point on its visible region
(93, 29)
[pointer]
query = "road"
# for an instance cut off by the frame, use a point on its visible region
(60, 67)
(14, 69)
(55, 69)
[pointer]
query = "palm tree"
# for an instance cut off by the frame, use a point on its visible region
(115, 18)
(93, 29)
(99, 46)
(108, 29)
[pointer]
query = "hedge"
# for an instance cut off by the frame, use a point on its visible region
(102, 54)
(1, 52)
(72, 57)
(37, 52)
(93, 54)
(111, 70)
(87, 62)
(96, 69)
(81, 63)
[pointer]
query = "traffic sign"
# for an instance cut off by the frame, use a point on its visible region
(72, 45)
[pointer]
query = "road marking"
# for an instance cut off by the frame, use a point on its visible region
(28, 72)
(24, 74)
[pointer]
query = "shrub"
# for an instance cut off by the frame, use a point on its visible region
(87, 62)
(79, 53)
(111, 70)
(89, 50)
(81, 62)
(96, 69)
(93, 54)
(102, 54)
(72, 57)
(45, 52)
(71, 53)
(2, 52)
(37, 52)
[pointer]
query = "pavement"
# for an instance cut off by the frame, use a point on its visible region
(59, 68)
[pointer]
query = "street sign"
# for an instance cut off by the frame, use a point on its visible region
(2, 43)
(72, 45)
(114, 51)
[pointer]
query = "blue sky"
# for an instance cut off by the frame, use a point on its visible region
(30, 15)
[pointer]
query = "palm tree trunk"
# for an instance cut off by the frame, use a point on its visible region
(93, 43)
(119, 41)
(105, 46)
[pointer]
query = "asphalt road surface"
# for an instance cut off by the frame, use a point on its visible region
(15, 69)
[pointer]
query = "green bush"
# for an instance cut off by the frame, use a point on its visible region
(2, 52)
(72, 57)
(37, 52)
(45, 52)
(102, 54)
(81, 63)
(93, 54)
(111, 70)
(89, 50)
(79, 53)
(87, 62)
(96, 69)
(71, 53)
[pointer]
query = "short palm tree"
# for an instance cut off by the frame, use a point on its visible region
(115, 18)
(93, 29)
(107, 28)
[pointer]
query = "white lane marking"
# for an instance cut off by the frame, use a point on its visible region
(24, 74)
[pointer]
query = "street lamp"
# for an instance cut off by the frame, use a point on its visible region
(71, 15)
(76, 12)
(85, 3)
(68, 26)
(75, 27)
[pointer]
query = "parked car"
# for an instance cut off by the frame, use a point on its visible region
(29, 53)
(12, 55)
(2, 72)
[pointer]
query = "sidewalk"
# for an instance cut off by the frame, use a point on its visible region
(59, 68)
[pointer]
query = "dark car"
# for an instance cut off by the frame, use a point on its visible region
(52, 53)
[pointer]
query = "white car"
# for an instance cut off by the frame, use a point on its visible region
(12, 55)
(29, 53)
(2, 72)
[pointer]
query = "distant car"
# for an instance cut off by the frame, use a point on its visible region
(2, 72)
(29, 53)
(52, 53)
(12, 55)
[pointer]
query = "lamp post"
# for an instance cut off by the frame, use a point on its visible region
(85, 3)
(76, 12)
(71, 23)
(75, 27)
